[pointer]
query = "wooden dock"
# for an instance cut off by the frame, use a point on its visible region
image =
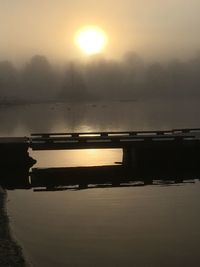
(147, 156)
(56, 141)
(141, 149)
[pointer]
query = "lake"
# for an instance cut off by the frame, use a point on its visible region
(150, 225)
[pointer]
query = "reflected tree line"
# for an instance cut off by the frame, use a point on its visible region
(99, 79)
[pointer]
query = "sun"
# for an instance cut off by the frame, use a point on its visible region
(91, 40)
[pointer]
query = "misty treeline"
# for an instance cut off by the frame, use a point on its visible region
(99, 79)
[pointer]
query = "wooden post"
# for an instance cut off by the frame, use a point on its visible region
(129, 157)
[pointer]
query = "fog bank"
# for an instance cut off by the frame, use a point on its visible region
(128, 79)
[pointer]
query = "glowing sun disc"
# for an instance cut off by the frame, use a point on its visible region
(91, 40)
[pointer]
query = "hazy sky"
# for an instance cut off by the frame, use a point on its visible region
(149, 27)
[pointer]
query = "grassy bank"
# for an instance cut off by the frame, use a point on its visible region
(10, 252)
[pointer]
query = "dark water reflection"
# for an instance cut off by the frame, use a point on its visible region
(141, 226)
(127, 224)
(79, 178)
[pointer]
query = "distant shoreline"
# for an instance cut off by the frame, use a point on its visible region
(10, 252)
(59, 101)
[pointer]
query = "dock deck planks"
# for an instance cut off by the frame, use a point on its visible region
(121, 139)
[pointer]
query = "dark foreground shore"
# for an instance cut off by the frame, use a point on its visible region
(10, 252)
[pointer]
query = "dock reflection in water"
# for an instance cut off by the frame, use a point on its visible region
(77, 227)
(55, 179)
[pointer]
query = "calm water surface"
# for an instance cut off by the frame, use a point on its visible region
(138, 226)
(141, 226)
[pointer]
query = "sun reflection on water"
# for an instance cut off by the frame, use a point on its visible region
(68, 158)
